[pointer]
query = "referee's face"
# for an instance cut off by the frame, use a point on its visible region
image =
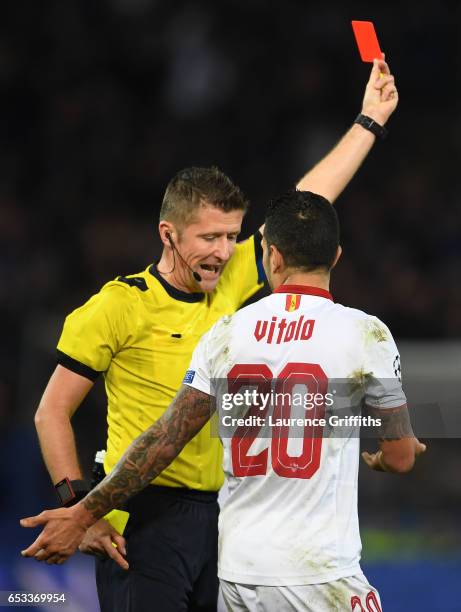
(207, 244)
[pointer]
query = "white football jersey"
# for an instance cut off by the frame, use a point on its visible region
(291, 514)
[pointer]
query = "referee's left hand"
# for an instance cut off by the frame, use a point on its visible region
(64, 530)
(102, 540)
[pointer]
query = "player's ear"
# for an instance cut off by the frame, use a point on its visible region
(337, 256)
(277, 262)
(167, 232)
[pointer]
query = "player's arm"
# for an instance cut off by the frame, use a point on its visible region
(152, 451)
(398, 447)
(333, 173)
(385, 401)
(145, 458)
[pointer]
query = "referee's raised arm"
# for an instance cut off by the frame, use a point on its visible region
(333, 173)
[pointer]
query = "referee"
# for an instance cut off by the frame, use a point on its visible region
(139, 332)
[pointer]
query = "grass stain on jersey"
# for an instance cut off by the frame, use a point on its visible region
(338, 597)
(312, 561)
(358, 379)
(222, 341)
(374, 331)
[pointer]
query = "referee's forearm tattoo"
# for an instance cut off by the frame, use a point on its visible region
(152, 451)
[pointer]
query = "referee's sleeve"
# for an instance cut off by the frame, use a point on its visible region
(95, 332)
(76, 366)
(244, 274)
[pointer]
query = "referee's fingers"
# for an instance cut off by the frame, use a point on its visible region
(108, 548)
(120, 542)
(114, 554)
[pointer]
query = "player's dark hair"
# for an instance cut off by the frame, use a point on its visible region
(305, 229)
(193, 187)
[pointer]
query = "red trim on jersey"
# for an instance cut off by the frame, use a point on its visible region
(304, 290)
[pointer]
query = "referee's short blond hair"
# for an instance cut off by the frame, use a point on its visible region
(194, 187)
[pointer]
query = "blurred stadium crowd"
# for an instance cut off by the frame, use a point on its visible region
(102, 102)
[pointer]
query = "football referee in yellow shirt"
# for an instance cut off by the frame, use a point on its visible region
(139, 332)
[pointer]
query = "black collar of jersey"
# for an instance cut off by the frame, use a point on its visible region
(177, 294)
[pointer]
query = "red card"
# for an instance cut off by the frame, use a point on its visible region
(367, 41)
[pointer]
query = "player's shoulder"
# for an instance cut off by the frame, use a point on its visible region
(227, 326)
(348, 312)
(222, 327)
(254, 310)
(369, 325)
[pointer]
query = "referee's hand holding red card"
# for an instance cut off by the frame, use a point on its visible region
(381, 95)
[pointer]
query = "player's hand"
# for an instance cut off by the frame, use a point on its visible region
(100, 539)
(381, 95)
(375, 461)
(64, 530)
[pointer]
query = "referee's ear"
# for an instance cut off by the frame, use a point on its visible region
(167, 232)
(337, 256)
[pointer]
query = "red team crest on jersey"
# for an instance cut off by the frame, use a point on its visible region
(292, 302)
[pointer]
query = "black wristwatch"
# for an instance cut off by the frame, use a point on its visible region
(71, 492)
(371, 125)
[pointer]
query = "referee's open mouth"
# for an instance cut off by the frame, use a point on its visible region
(210, 271)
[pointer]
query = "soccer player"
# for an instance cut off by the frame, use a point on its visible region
(139, 332)
(289, 537)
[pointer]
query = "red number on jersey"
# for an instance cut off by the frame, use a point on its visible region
(313, 378)
(245, 375)
(355, 601)
(371, 599)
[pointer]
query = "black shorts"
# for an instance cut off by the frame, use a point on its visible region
(172, 549)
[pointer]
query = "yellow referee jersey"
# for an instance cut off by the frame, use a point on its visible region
(140, 332)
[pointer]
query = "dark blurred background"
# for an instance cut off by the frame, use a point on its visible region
(102, 102)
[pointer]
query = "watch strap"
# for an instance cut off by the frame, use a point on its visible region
(371, 125)
(70, 492)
